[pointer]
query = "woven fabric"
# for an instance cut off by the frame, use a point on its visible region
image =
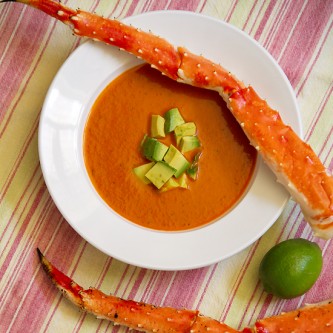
(33, 47)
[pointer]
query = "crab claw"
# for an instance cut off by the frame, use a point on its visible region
(136, 315)
(67, 286)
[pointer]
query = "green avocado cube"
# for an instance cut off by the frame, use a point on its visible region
(176, 160)
(157, 126)
(160, 173)
(169, 185)
(173, 119)
(153, 149)
(183, 180)
(184, 130)
(141, 171)
(188, 143)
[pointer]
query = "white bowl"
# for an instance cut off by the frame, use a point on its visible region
(80, 80)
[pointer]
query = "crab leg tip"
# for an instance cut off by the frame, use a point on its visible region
(40, 254)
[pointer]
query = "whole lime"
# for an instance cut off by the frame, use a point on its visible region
(290, 268)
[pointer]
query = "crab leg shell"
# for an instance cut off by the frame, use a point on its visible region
(153, 49)
(293, 161)
(201, 72)
(67, 286)
(136, 315)
(317, 318)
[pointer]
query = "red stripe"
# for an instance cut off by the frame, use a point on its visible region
(278, 19)
(264, 20)
(231, 11)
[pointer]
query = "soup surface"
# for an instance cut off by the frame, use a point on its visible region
(118, 121)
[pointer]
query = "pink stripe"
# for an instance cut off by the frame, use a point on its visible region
(265, 18)
(316, 118)
(257, 17)
(250, 306)
(324, 144)
(315, 60)
(20, 54)
(29, 248)
(211, 275)
(66, 242)
(200, 10)
(116, 291)
(305, 36)
(16, 165)
(132, 8)
(282, 10)
(18, 160)
(231, 11)
(249, 15)
(4, 9)
(14, 215)
(179, 296)
(9, 20)
(18, 238)
(105, 269)
(115, 6)
(24, 269)
(28, 55)
(192, 5)
(239, 279)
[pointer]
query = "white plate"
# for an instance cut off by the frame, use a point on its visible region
(78, 83)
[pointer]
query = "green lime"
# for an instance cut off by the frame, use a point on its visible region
(290, 268)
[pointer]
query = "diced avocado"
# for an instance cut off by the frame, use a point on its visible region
(184, 130)
(141, 170)
(183, 181)
(192, 171)
(188, 143)
(176, 160)
(169, 185)
(173, 119)
(160, 173)
(157, 126)
(153, 150)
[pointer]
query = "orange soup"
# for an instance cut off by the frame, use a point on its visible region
(118, 121)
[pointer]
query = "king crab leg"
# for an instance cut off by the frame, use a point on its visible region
(149, 318)
(294, 163)
(137, 315)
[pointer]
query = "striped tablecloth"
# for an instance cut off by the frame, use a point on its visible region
(33, 46)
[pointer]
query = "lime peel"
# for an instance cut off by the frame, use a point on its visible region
(291, 268)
